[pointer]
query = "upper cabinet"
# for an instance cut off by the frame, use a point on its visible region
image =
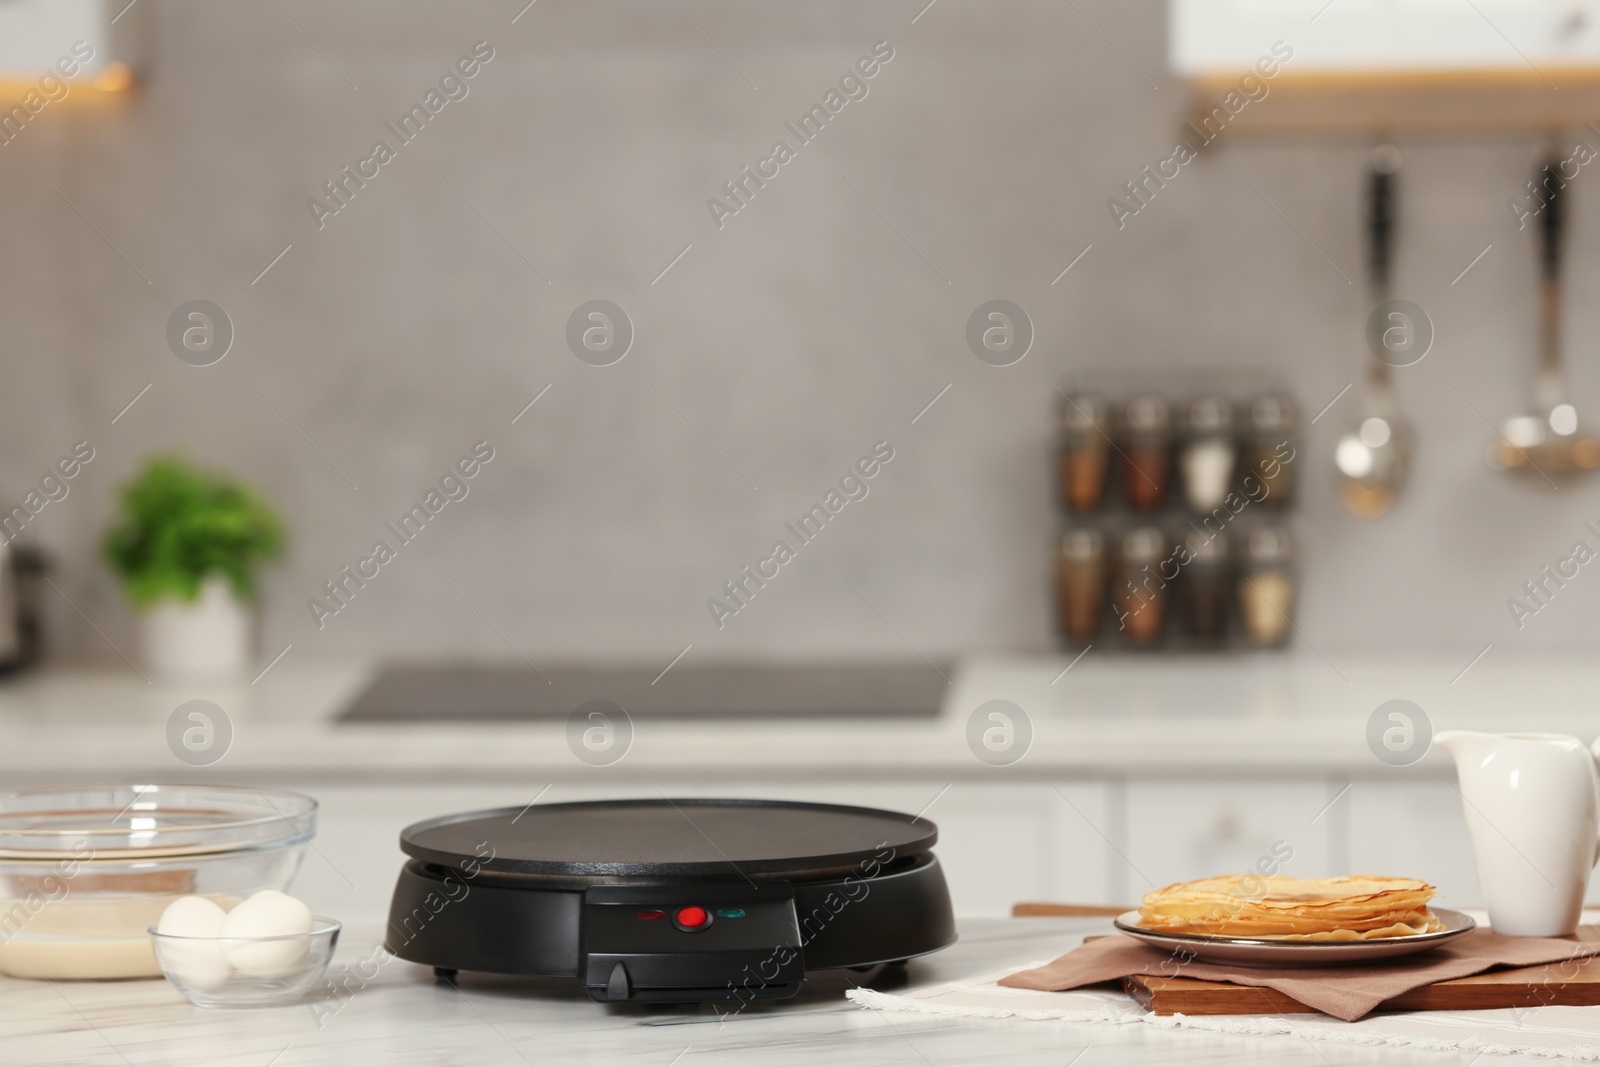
(51, 48)
(1377, 67)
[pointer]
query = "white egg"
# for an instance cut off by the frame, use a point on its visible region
(199, 963)
(267, 914)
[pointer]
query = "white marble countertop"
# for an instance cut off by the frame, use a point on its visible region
(1264, 715)
(404, 1017)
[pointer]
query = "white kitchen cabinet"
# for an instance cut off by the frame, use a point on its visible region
(1001, 844)
(1419, 830)
(1415, 830)
(998, 843)
(350, 868)
(1182, 829)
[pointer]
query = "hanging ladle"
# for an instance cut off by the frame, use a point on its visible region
(1374, 456)
(1548, 446)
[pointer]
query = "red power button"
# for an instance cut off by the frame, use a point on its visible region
(692, 918)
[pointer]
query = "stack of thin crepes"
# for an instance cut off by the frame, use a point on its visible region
(1278, 907)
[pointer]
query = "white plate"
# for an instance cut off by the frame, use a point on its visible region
(1257, 952)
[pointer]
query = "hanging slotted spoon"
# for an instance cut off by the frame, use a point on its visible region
(1548, 446)
(1374, 455)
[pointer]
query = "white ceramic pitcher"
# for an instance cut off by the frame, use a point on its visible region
(1532, 803)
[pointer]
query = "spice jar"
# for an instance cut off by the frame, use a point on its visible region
(1081, 584)
(1085, 451)
(1146, 448)
(1269, 449)
(1142, 591)
(1207, 594)
(1267, 586)
(1209, 454)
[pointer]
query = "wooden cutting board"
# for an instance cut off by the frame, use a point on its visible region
(1517, 988)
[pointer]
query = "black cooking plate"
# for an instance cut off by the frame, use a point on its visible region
(692, 839)
(670, 900)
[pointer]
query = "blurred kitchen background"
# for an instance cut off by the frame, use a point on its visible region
(370, 353)
(806, 328)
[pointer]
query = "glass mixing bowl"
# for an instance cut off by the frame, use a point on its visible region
(85, 871)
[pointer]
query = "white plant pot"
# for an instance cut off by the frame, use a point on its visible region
(206, 639)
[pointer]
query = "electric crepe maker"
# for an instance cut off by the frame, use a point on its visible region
(670, 901)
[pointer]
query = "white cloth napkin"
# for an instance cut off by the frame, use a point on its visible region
(1558, 1032)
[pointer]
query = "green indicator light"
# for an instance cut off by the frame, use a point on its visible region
(730, 913)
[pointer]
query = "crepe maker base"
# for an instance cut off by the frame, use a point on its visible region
(613, 894)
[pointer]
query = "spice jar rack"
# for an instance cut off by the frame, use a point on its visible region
(1177, 520)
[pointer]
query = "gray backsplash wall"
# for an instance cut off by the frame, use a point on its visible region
(822, 318)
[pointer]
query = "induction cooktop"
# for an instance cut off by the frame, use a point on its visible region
(670, 900)
(504, 692)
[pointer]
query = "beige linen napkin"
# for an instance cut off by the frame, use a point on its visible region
(1345, 991)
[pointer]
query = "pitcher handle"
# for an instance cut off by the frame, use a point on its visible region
(1594, 750)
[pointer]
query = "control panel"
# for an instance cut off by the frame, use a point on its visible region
(691, 942)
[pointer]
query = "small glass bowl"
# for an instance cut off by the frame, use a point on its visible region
(246, 972)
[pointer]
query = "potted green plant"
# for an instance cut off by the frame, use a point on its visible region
(187, 544)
